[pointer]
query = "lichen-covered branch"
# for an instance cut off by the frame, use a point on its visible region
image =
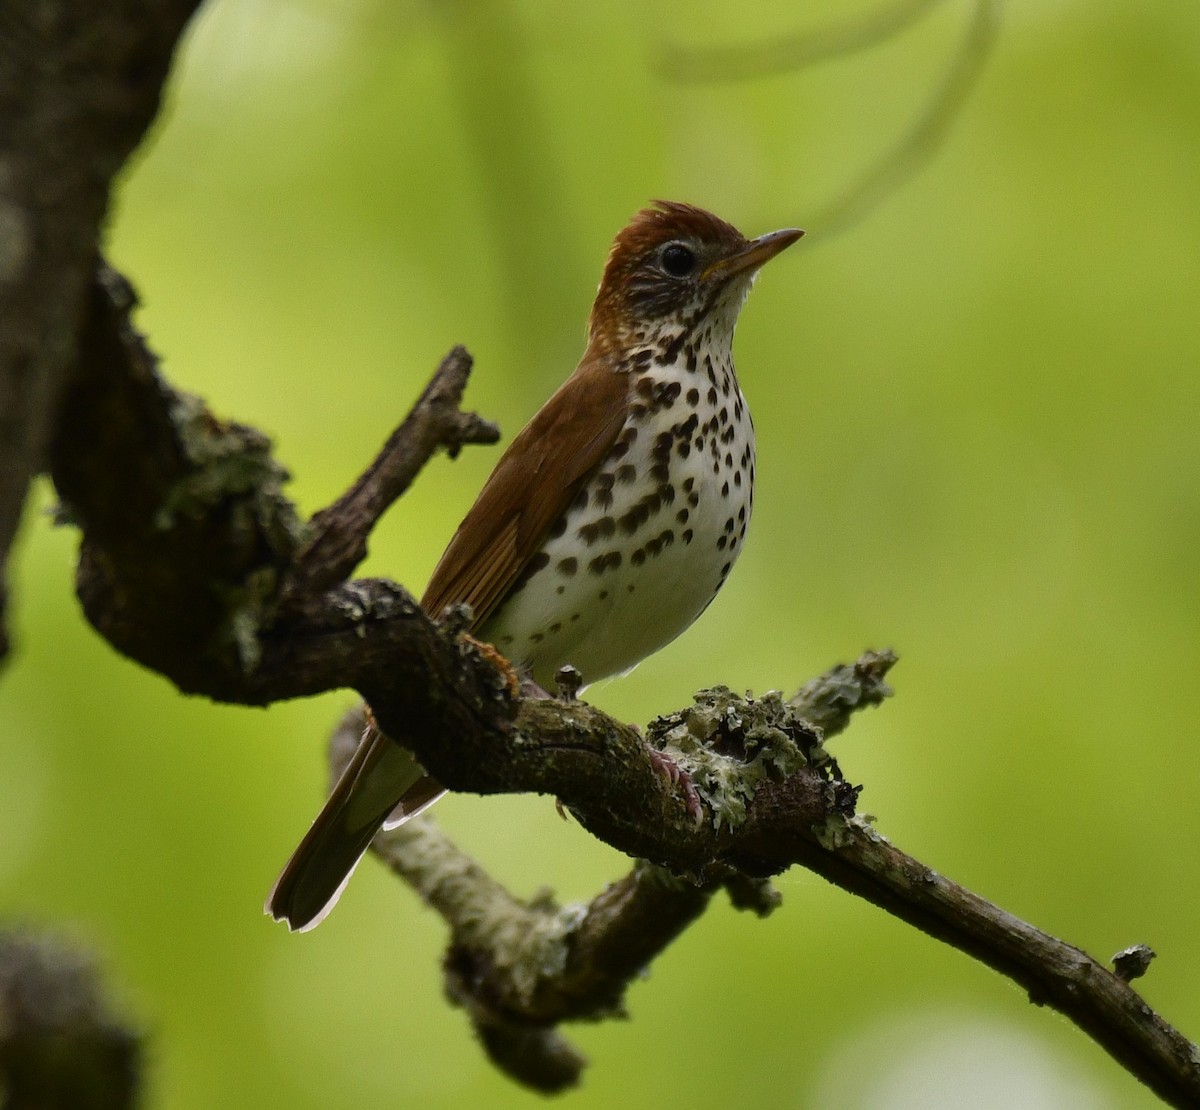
(525, 961)
(189, 564)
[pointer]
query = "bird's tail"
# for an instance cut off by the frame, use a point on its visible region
(382, 786)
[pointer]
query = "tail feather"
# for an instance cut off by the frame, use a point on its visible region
(382, 786)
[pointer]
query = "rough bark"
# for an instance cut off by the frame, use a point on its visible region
(79, 85)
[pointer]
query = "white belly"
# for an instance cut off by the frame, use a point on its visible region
(649, 541)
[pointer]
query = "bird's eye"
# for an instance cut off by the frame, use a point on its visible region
(677, 260)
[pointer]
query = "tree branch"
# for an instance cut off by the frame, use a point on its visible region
(155, 481)
(60, 1043)
(532, 966)
(79, 84)
(338, 534)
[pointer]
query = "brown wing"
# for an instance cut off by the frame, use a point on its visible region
(532, 485)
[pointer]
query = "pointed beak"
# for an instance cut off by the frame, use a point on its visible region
(753, 254)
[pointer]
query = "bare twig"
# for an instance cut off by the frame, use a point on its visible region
(794, 52)
(925, 137)
(338, 534)
(1055, 973)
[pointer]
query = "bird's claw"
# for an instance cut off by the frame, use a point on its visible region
(666, 766)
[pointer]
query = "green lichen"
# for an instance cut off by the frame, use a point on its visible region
(229, 462)
(231, 470)
(729, 745)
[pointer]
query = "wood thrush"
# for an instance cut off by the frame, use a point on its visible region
(607, 526)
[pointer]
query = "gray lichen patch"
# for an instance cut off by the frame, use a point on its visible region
(229, 462)
(730, 744)
(230, 467)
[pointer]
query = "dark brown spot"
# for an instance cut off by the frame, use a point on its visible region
(638, 557)
(537, 637)
(604, 527)
(666, 394)
(581, 501)
(641, 511)
(682, 516)
(693, 396)
(737, 477)
(626, 473)
(556, 627)
(687, 484)
(601, 563)
(567, 566)
(729, 525)
(559, 527)
(712, 394)
(687, 535)
(602, 491)
(661, 541)
(725, 489)
(721, 542)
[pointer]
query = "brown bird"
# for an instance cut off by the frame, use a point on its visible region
(608, 525)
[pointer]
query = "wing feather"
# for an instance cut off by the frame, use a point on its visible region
(531, 486)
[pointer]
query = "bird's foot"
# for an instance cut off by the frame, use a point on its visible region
(570, 682)
(666, 766)
(531, 689)
(512, 679)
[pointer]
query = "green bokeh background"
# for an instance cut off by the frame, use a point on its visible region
(977, 411)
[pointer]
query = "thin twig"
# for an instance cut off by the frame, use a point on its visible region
(924, 138)
(786, 53)
(338, 534)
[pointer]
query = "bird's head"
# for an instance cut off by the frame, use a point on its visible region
(674, 266)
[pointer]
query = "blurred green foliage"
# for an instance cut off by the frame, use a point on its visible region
(977, 410)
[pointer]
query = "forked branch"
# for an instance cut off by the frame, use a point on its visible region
(195, 564)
